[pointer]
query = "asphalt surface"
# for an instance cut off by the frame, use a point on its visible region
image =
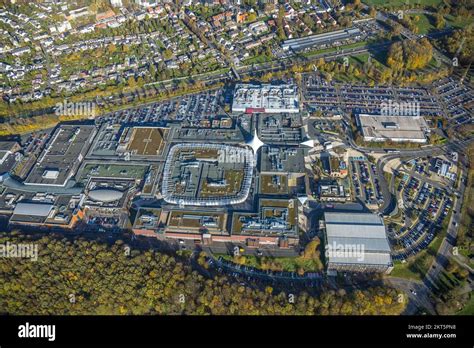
(417, 295)
(446, 248)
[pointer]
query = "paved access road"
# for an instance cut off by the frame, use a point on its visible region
(418, 295)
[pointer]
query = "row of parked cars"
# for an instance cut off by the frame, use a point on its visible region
(432, 205)
(187, 108)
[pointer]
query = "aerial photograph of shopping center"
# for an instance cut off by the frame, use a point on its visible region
(216, 156)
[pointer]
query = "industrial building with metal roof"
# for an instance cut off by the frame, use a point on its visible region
(46, 210)
(33, 209)
(356, 242)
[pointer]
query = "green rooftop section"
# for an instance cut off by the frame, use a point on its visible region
(273, 184)
(132, 171)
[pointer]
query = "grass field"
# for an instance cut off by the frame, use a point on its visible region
(262, 58)
(334, 49)
(289, 264)
(425, 23)
(415, 268)
(399, 3)
(468, 308)
(360, 61)
(401, 270)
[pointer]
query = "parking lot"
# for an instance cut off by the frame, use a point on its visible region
(424, 210)
(458, 99)
(365, 184)
(191, 109)
(330, 97)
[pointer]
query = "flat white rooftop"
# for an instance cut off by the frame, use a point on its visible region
(394, 128)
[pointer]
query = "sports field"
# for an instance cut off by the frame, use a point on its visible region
(147, 141)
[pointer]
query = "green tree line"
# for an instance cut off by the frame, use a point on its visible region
(89, 277)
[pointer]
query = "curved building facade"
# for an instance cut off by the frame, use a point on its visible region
(186, 177)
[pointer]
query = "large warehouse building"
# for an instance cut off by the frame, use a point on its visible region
(393, 128)
(265, 99)
(356, 242)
